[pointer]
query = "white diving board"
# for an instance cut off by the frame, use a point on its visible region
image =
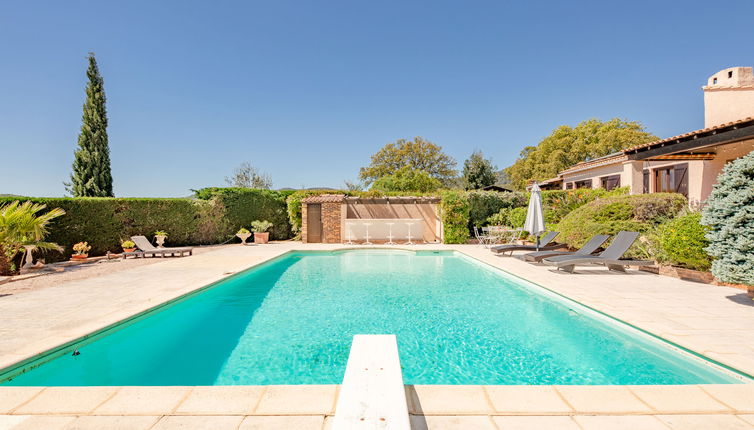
(372, 395)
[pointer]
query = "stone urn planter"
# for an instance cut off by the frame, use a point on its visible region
(79, 257)
(244, 237)
(159, 237)
(261, 237)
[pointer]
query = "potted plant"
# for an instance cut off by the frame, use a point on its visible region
(128, 246)
(81, 250)
(244, 235)
(261, 235)
(160, 237)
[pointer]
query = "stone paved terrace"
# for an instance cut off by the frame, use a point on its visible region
(714, 321)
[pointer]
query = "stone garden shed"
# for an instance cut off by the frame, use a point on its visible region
(337, 218)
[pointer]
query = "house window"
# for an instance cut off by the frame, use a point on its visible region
(646, 182)
(730, 74)
(672, 179)
(583, 184)
(610, 182)
(714, 81)
(569, 186)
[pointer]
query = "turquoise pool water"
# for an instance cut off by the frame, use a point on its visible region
(291, 321)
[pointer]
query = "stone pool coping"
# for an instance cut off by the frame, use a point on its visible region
(430, 406)
(709, 320)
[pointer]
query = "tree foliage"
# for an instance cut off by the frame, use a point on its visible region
(730, 215)
(478, 172)
(248, 176)
(566, 146)
(407, 180)
(417, 154)
(91, 175)
(22, 225)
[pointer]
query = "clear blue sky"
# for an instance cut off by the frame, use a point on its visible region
(307, 90)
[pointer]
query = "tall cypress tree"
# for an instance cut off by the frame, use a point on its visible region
(91, 175)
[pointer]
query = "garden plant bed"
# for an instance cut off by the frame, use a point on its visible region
(681, 273)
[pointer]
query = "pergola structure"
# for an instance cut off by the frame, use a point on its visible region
(337, 218)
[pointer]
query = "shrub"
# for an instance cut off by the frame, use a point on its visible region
(611, 214)
(517, 217)
(682, 242)
(730, 215)
(454, 210)
(484, 204)
(241, 206)
(559, 203)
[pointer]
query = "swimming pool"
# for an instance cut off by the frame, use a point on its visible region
(291, 321)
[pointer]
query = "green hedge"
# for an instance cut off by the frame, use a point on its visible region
(104, 222)
(610, 215)
(454, 211)
(241, 206)
(214, 218)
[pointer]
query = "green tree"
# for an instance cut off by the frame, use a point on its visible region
(409, 180)
(566, 146)
(729, 213)
(478, 172)
(417, 154)
(20, 227)
(91, 175)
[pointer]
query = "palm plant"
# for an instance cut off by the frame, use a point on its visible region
(22, 226)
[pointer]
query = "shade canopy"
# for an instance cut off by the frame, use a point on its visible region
(535, 217)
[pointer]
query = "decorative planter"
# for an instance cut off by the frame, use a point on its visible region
(261, 237)
(160, 240)
(129, 249)
(750, 292)
(79, 257)
(244, 237)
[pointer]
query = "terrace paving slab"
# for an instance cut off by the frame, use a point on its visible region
(13, 397)
(447, 400)
(67, 400)
(509, 399)
(142, 401)
(198, 422)
(619, 422)
(112, 422)
(602, 399)
(678, 398)
(438, 422)
(704, 422)
(221, 400)
(297, 400)
(535, 422)
(312, 422)
(36, 422)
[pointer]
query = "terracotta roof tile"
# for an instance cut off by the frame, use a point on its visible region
(325, 198)
(691, 133)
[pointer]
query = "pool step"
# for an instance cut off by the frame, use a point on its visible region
(372, 394)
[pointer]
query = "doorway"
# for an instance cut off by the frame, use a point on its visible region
(314, 223)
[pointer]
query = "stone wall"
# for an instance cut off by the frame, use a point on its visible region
(304, 223)
(332, 220)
